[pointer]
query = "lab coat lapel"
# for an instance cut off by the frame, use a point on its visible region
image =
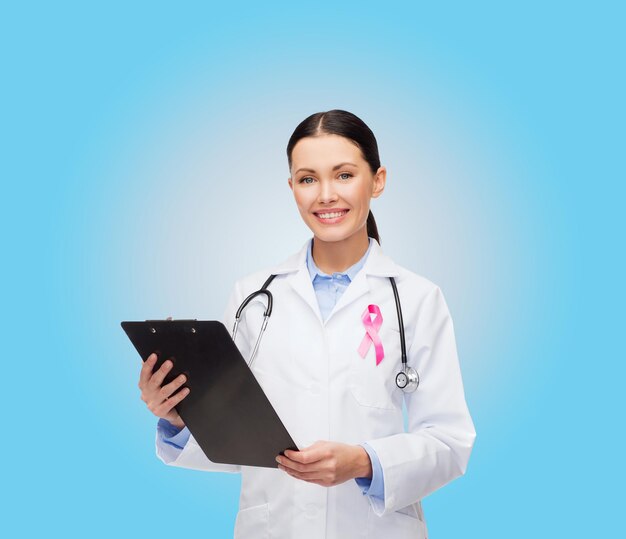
(301, 282)
(357, 288)
(299, 278)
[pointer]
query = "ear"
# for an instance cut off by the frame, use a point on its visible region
(379, 182)
(290, 182)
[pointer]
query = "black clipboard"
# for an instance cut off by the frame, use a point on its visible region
(226, 410)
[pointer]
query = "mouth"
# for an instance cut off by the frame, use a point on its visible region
(330, 217)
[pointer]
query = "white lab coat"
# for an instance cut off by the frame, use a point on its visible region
(322, 389)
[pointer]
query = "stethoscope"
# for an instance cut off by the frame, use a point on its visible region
(407, 379)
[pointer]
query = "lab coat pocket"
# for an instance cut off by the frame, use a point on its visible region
(375, 385)
(252, 522)
(399, 524)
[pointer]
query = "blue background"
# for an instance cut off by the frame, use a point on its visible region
(144, 170)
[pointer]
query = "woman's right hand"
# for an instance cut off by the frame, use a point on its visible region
(157, 397)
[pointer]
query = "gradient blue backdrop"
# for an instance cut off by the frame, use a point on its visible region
(144, 170)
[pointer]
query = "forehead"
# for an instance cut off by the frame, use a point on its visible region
(324, 152)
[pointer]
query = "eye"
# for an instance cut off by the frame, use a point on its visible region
(304, 180)
(345, 174)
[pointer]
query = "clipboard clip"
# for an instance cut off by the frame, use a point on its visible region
(178, 320)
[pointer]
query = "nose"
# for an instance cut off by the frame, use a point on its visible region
(327, 192)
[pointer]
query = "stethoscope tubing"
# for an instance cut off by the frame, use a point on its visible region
(400, 321)
(268, 312)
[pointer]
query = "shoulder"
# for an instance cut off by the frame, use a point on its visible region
(419, 293)
(254, 280)
(410, 284)
(413, 279)
(414, 283)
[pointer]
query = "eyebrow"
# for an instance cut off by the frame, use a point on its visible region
(334, 168)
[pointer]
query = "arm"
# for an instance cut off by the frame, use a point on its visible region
(440, 436)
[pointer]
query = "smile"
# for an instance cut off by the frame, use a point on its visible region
(331, 215)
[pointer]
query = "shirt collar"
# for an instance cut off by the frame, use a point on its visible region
(350, 272)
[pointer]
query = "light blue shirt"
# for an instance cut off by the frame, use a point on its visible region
(328, 289)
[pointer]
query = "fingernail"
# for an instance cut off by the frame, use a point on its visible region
(278, 460)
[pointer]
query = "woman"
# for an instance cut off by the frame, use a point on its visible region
(329, 367)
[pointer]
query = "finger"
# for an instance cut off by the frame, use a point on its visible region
(146, 370)
(168, 404)
(315, 476)
(299, 473)
(297, 466)
(291, 466)
(288, 471)
(170, 388)
(306, 456)
(157, 378)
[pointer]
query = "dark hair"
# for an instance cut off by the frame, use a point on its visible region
(345, 124)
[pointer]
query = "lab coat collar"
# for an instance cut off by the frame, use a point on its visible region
(297, 275)
(377, 263)
(315, 271)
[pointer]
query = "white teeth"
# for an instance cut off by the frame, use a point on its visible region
(333, 215)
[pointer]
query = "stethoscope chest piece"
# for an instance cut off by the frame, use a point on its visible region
(408, 379)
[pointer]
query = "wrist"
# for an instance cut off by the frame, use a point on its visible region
(177, 423)
(363, 463)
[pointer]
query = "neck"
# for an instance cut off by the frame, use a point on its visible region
(338, 256)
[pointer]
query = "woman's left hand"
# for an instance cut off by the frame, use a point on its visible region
(326, 463)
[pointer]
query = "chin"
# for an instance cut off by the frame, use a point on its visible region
(331, 235)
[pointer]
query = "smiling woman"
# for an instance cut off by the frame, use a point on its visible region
(337, 193)
(338, 378)
(333, 184)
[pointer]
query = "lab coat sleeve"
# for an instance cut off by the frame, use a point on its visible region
(440, 435)
(170, 440)
(374, 486)
(191, 455)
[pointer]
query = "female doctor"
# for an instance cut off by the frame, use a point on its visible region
(329, 363)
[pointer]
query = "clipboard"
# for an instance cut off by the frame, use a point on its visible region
(226, 409)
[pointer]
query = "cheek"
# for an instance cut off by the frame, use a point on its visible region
(360, 201)
(358, 195)
(303, 200)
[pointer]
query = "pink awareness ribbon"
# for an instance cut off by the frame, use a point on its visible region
(371, 333)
